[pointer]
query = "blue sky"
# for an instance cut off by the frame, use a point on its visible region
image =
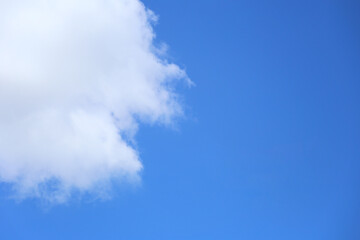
(269, 147)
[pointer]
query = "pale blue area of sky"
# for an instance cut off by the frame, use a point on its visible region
(270, 148)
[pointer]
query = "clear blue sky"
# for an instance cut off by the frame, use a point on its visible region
(270, 148)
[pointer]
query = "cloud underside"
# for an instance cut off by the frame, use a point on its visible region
(76, 79)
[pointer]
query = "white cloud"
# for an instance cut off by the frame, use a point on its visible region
(76, 77)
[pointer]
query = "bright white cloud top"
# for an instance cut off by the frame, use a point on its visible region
(76, 78)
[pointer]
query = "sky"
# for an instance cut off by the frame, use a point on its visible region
(241, 121)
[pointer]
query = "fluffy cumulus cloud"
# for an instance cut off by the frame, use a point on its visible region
(76, 79)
